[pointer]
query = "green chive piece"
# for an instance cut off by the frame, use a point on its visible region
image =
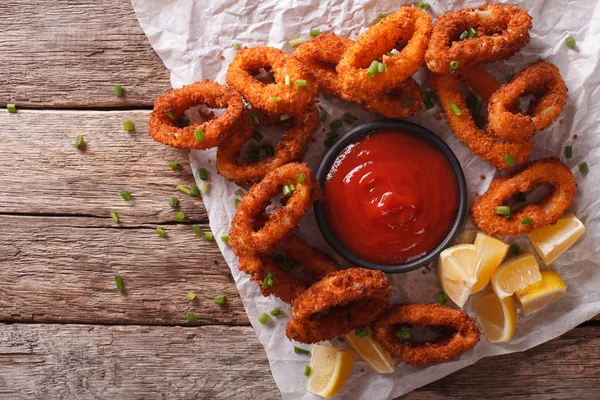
(286, 190)
(208, 236)
(526, 221)
(515, 249)
(269, 150)
(170, 115)
(114, 216)
(275, 99)
(284, 117)
(569, 151)
(194, 190)
(333, 125)
(570, 42)
(205, 188)
(300, 82)
(191, 318)
(455, 109)
(323, 116)
(424, 6)
(349, 118)
(180, 216)
(463, 35)
(191, 296)
(301, 177)
(427, 103)
(127, 126)
(299, 350)
(266, 284)
(307, 370)
(295, 42)
(314, 32)
(220, 300)
(276, 312)
(161, 232)
(361, 332)
(236, 203)
(79, 142)
(254, 117)
(407, 102)
(174, 164)
(264, 317)
(183, 189)
(332, 136)
(118, 89)
(583, 168)
(126, 195)
(199, 134)
(240, 192)
(509, 160)
(442, 298)
(257, 136)
(288, 81)
(119, 283)
(196, 229)
(237, 46)
(472, 32)
(380, 17)
(173, 202)
(203, 174)
(454, 66)
(225, 238)
(381, 68)
(373, 68)
(403, 333)
(502, 210)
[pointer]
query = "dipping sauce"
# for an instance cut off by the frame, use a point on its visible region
(391, 197)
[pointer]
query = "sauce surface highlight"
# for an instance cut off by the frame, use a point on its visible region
(391, 197)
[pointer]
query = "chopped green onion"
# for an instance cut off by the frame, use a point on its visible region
(284, 117)
(114, 216)
(333, 125)
(269, 150)
(463, 35)
(205, 188)
(118, 89)
(570, 42)
(509, 160)
(569, 151)
(583, 168)
(191, 318)
(267, 282)
(119, 283)
(236, 203)
(300, 82)
(253, 150)
(288, 190)
(225, 238)
(161, 232)
(390, 54)
(126, 195)
(307, 370)
(455, 109)
(424, 6)
(381, 67)
(237, 46)
(197, 230)
(314, 32)
(11, 108)
(127, 126)
(295, 42)
(299, 350)
(173, 165)
(333, 135)
(254, 118)
(239, 192)
(180, 216)
(208, 236)
(442, 298)
(403, 333)
(170, 115)
(275, 312)
(264, 317)
(502, 210)
(275, 99)
(288, 81)
(199, 134)
(301, 177)
(183, 189)
(79, 142)
(194, 190)
(257, 136)
(191, 296)
(454, 66)
(323, 115)
(202, 173)
(173, 202)
(220, 300)
(526, 221)
(515, 249)
(472, 32)
(407, 102)
(361, 332)
(380, 17)
(349, 118)
(430, 99)
(373, 68)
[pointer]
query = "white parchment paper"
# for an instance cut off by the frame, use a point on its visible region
(194, 39)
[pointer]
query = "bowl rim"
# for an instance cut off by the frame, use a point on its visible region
(420, 132)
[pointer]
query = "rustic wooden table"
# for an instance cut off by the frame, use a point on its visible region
(65, 332)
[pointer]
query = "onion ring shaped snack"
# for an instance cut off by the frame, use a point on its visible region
(541, 79)
(243, 236)
(459, 119)
(338, 303)
(292, 147)
(501, 31)
(420, 315)
(275, 98)
(547, 212)
(478, 79)
(169, 107)
(408, 22)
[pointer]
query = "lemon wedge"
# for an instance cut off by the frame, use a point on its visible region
(497, 317)
(515, 274)
(456, 272)
(541, 294)
(490, 254)
(330, 369)
(378, 358)
(553, 240)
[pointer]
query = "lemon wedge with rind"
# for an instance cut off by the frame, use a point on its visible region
(553, 240)
(371, 351)
(541, 294)
(514, 274)
(330, 369)
(456, 272)
(490, 254)
(497, 317)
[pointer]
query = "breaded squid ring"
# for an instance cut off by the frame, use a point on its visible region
(408, 22)
(541, 79)
(243, 236)
(547, 212)
(421, 315)
(169, 107)
(275, 98)
(291, 148)
(338, 303)
(480, 142)
(321, 55)
(501, 31)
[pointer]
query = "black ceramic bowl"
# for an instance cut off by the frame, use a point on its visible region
(420, 132)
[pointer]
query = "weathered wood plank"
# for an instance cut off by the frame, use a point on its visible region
(71, 53)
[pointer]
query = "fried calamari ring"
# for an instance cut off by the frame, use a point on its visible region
(501, 31)
(407, 22)
(243, 236)
(541, 79)
(274, 98)
(547, 212)
(338, 303)
(321, 55)
(169, 107)
(478, 79)
(292, 147)
(480, 142)
(420, 315)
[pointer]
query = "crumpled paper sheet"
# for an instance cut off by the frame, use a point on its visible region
(192, 36)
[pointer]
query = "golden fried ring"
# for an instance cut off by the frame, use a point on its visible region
(420, 315)
(480, 142)
(478, 79)
(291, 148)
(162, 128)
(408, 22)
(541, 79)
(513, 22)
(546, 212)
(275, 98)
(243, 236)
(315, 264)
(338, 303)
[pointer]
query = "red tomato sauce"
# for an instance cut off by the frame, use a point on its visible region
(391, 197)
